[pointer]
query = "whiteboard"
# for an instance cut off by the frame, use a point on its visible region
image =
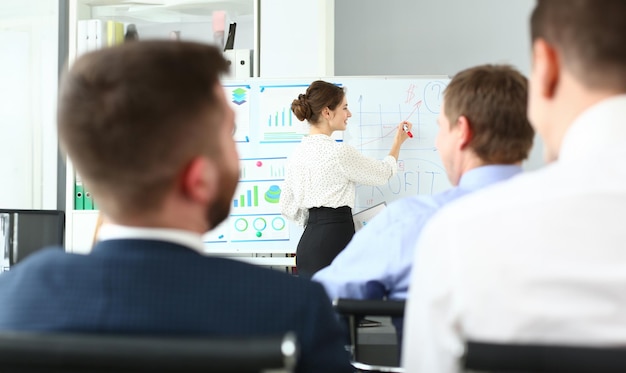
(267, 133)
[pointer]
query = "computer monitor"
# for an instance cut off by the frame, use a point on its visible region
(32, 230)
(5, 220)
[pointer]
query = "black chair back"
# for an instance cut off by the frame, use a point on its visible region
(73, 353)
(534, 358)
(355, 310)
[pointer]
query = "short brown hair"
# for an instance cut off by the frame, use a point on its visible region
(319, 95)
(131, 116)
(591, 36)
(493, 98)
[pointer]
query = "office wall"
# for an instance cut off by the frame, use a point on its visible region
(409, 37)
(296, 38)
(28, 72)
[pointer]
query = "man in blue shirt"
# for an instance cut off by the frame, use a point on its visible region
(483, 137)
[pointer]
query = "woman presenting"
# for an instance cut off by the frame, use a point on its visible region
(321, 176)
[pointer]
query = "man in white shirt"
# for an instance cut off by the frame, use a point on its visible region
(540, 258)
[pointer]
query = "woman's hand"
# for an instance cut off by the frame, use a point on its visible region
(403, 132)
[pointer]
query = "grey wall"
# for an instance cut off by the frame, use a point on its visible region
(409, 37)
(426, 37)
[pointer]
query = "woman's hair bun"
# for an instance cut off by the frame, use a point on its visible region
(301, 108)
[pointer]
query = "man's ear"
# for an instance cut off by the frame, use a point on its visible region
(545, 67)
(200, 180)
(464, 131)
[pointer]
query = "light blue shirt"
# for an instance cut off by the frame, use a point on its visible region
(378, 260)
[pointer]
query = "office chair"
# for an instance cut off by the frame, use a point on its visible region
(536, 358)
(73, 353)
(356, 309)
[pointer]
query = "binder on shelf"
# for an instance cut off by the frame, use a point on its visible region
(95, 36)
(131, 33)
(79, 196)
(239, 61)
(243, 67)
(230, 40)
(119, 32)
(110, 33)
(82, 37)
(114, 33)
(88, 205)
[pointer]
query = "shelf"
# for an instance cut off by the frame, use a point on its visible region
(155, 19)
(168, 11)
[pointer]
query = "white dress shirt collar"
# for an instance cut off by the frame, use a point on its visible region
(177, 236)
(597, 129)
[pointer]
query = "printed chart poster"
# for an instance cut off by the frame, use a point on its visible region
(277, 121)
(238, 97)
(278, 124)
(255, 210)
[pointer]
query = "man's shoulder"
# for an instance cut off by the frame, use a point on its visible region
(49, 256)
(506, 196)
(42, 264)
(406, 207)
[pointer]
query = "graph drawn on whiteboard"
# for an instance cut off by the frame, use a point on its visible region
(238, 97)
(375, 118)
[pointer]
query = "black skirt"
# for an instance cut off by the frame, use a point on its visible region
(327, 232)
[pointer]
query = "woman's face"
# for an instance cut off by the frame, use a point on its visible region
(339, 116)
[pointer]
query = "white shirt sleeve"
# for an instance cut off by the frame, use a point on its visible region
(365, 170)
(432, 330)
(291, 205)
(322, 172)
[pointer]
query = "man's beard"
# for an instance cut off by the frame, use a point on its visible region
(220, 210)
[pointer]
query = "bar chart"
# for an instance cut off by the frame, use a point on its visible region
(278, 122)
(262, 169)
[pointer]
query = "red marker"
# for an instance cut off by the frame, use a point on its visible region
(406, 129)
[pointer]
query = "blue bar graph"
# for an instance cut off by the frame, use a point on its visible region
(282, 119)
(252, 196)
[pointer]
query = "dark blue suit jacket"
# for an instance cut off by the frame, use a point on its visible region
(161, 288)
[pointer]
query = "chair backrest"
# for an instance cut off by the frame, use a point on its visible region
(356, 309)
(73, 353)
(535, 358)
(32, 230)
(369, 307)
